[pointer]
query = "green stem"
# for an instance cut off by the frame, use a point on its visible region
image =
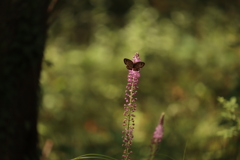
(153, 149)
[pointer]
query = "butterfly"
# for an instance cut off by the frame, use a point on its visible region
(133, 66)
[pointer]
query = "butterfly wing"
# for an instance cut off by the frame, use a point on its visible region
(138, 65)
(129, 63)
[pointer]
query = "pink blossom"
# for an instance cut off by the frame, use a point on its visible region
(157, 137)
(130, 106)
(158, 134)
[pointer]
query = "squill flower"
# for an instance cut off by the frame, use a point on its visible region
(157, 137)
(130, 106)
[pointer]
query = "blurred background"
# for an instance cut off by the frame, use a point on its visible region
(191, 49)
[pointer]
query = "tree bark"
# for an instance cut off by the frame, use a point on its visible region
(22, 34)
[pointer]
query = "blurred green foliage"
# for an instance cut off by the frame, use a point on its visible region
(230, 123)
(191, 51)
(230, 118)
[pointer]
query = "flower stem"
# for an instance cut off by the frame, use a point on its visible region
(130, 105)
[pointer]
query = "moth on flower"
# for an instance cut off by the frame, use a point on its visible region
(130, 65)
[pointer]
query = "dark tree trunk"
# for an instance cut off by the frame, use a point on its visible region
(22, 39)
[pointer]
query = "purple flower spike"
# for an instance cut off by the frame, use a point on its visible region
(157, 137)
(158, 134)
(129, 122)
